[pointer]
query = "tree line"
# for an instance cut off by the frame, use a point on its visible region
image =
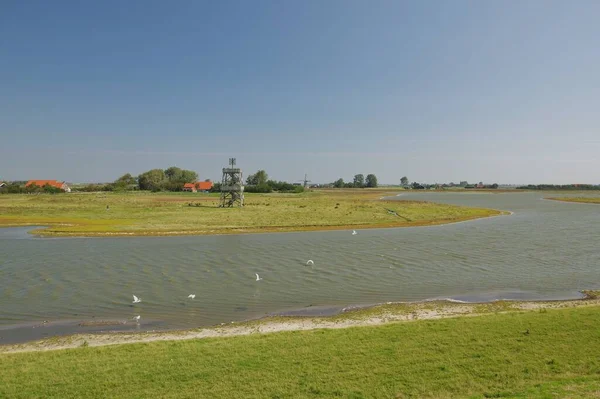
(559, 187)
(259, 182)
(170, 179)
(19, 187)
(359, 181)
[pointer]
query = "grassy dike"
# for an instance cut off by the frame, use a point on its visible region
(141, 213)
(507, 352)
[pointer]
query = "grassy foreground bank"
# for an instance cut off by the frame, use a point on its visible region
(583, 200)
(546, 353)
(140, 213)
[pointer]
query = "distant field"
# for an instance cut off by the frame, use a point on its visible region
(535, 354)
(583, 200)
(140, 213)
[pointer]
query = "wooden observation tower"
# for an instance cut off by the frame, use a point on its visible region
(232, 186)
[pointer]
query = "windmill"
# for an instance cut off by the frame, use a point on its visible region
(305, 181)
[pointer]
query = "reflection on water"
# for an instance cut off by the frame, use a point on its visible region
(545, 250)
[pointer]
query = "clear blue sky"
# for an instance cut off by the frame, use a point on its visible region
(499, 91)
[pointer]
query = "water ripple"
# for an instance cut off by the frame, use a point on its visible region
(546, 249)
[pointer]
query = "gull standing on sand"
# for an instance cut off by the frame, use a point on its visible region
(192, 296)
(310, 262)
(136, 299)
(258, 277)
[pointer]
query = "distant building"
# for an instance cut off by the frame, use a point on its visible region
(204, 185)
(198, 186)
(2, 184)
(54, 183)
(190, 187)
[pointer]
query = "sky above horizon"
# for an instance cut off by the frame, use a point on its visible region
(504, 91)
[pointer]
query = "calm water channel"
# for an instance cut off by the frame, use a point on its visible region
(545, 250)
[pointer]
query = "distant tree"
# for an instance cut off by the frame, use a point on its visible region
(417, 186)
(371, 180)
(90, 188)
(404, 181)
(339, 183)
(359, 180)
(13, 188)
(349, 185)
(126, 179)
(216, 187)
(257, 179)
(464, 183)
(188, 176)
(152, 180)
(174, 173)
(122, 183)
(33, 188)
(494, 186)
(178, 175)
(281, 186)
(261, 188)
(51, 189)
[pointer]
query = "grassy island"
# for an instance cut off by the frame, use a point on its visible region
(143, 213)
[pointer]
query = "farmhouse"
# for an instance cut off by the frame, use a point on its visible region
(198, 186)
(54, 183)
(204, 185)
(189, 187)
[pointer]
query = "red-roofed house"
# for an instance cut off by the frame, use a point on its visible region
(198, 186)
(54, 183)
(189, 187)
(204, 185)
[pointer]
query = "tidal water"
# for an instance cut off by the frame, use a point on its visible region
(545, 250)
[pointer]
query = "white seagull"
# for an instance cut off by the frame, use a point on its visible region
(192, 296)
(310, 262)
(354, 232)
(136, 299)
(258, 277)
(137, 318)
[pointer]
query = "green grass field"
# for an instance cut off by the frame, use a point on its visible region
(583, 200)
(140, 213)
(535, 354)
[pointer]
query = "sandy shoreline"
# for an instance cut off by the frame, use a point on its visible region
(372, 316)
